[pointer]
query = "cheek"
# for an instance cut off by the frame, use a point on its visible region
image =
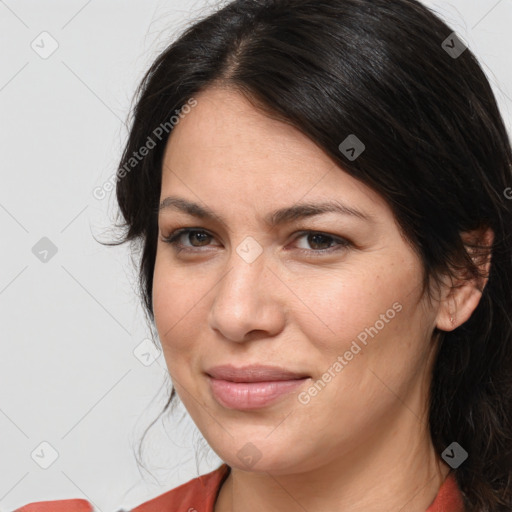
(176, 306)
(336, 307)
(373, 319)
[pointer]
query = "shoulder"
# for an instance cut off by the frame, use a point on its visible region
(197, 495)
(57, 506)
(449, 498)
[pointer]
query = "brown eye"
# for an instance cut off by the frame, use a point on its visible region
(199, 236)
(322, 243)
(319, 243)
(316, 239)
(195, 237)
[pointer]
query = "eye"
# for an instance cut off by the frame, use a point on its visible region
(175, 238)
(202, 237)
(316, 238)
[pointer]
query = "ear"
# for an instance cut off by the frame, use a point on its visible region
(461, 296)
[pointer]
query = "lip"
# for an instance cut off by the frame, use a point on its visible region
(253, 373)
(252, 387)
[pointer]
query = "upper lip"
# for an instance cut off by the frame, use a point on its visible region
(253, 373)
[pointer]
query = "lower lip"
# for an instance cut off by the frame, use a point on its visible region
(251, 395)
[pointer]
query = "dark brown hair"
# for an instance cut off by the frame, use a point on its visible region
(436, 150)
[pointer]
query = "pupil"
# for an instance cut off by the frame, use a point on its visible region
(317, 236)
(199, 234)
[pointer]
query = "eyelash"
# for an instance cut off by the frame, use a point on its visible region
(173, 238)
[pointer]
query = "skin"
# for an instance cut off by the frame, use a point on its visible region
(362, 443)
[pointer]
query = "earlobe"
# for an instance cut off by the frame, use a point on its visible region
(458, 306)
(462, 296)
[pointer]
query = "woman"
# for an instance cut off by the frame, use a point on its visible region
(319, 188)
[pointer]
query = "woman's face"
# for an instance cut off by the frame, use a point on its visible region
(343, 308)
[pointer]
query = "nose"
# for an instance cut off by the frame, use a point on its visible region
(248, 301)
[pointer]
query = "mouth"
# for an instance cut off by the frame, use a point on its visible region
(252, 387)
(254, 373)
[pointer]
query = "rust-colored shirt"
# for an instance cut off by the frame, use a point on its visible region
(200, 494)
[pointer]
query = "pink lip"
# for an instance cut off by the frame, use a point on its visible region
(253, 373)
(251, 387)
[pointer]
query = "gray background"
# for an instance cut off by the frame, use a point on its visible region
(72, 329)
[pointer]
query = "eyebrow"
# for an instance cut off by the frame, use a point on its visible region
(278, 217)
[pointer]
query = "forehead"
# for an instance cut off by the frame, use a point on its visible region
(226, 148)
